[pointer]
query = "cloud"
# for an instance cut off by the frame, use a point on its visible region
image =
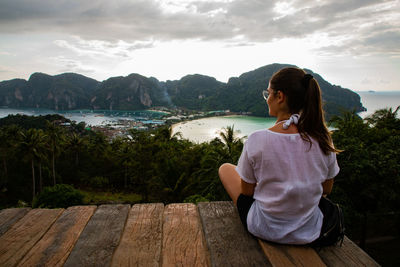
(384, 41)
(5, 53)
(371, 43)
(366, 81)
(381, 81)
(95, 48)
(71, 65)
(4, 69)
(355, 23)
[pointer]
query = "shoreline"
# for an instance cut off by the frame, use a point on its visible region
(206, 129)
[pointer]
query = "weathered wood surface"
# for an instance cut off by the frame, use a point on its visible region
(183, 239)
(54, 248)
(10, 216)
(347, 255)
(152, 235)
(229, 243)
(23, 235)
(100, 237)
(141, 240)
(286, 255)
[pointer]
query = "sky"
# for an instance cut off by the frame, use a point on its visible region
(351, 43)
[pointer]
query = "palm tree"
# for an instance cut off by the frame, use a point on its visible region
(76, 144)
(165, 133)
(347, 120)
(98, 143)
(385, 118)
(33, 145)
(8, 141)
(122, 155)
(56, 137)
(228, 136)
(232, 143)
(41, 158)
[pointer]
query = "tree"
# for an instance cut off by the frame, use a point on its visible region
(122, 149)
(385, 118)
(172, 164)
(76, 145)
(369, 180)
(142, 159)
(8, 141)
(214, 154)
(55, 137)
(233, 143)
(165, 134)
(33, 146)
(99, 161)
(58, 196)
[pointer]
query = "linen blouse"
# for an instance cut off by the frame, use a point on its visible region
(288, 176)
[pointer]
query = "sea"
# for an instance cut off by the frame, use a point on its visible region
(205, 129)
(90, 117)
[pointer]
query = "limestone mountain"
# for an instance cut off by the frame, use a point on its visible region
(243, 93)
(135, 92)
(193, 91)
(60, 92)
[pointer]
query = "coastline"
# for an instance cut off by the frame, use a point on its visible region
(206, 129)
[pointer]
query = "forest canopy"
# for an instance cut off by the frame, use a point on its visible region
(157, 166)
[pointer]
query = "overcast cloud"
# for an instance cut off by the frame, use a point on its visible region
(116, 29)
(368, 22)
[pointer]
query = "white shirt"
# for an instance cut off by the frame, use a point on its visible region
(288, 175)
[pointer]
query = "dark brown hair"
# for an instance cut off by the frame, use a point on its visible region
(304, 97)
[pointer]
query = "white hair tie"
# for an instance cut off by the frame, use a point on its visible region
(293, 119)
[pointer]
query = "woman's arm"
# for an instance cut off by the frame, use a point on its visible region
(246, 188)
(327, 187)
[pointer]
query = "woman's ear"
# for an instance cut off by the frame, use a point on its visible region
(281, 97)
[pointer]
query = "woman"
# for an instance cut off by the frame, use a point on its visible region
(283, 171)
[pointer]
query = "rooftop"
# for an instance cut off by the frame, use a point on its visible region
(207, 234)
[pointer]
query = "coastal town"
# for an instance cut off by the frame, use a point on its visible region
(150, 119)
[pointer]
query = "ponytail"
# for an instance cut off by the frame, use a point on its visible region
(312, 119)
(304, 97)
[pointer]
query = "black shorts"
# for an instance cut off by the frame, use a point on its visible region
(243, 204)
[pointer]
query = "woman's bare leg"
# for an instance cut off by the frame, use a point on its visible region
(231, 180)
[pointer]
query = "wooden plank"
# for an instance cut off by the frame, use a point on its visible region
(183, 239)
(347, 255)
(54, 247)
(228, 241)
(142, 238)
(286, 255)
(10, 216)
(101, 236)
(24, 234)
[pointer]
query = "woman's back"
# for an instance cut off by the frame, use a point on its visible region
(283, 172)
(288, 173)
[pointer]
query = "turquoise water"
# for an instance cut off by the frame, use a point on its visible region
(206, 129)
(93, 118)
(203, 130)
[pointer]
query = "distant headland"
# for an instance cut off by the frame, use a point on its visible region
(71, 91)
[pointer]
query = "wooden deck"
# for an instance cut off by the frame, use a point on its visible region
(209, 234)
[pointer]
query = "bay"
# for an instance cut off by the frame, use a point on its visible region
(90, 117)
(204, 130)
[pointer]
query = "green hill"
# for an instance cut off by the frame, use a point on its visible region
(70, 91)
